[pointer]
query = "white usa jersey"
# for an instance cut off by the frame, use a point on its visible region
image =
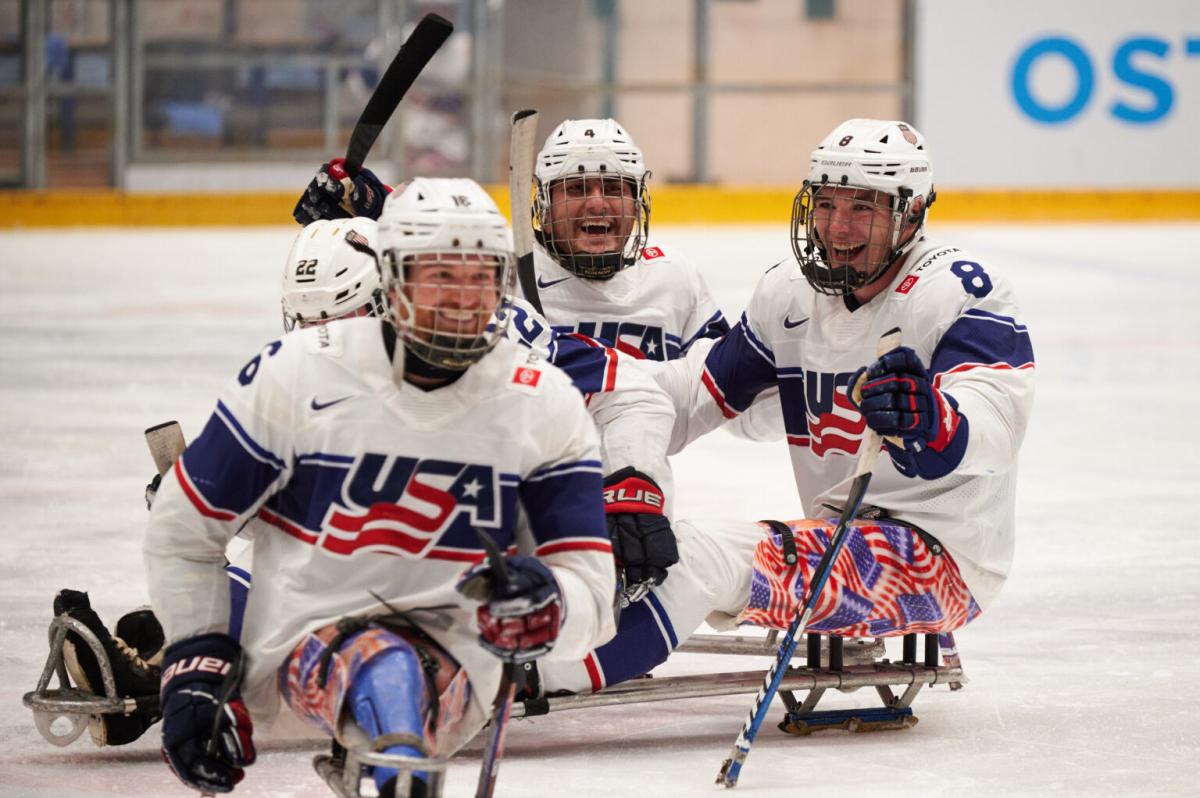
(354, 484)
(960, 317)
(655, 309)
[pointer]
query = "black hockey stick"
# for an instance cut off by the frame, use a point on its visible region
(868, 452)
(520, 187)
(429, 35)
(510, 682)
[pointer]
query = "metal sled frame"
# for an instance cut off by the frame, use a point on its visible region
(67, 701)
(802, 716)
(344, 769)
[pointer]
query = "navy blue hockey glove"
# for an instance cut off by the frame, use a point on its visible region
(206, 730)
(333, 194)
(519, 619)
(642, 539)
(899, 401)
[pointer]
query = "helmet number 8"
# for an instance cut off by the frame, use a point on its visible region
(974, 279)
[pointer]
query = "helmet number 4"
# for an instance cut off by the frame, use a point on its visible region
(974, 279)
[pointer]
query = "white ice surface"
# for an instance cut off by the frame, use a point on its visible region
(1083, 674)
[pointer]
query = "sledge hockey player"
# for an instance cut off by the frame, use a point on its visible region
(935, 545)
(634, 419)
(368, 456)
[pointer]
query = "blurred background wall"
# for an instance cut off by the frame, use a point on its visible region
(1088, 107)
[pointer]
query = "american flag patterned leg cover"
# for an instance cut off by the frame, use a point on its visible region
(886, 582)
(322, 706)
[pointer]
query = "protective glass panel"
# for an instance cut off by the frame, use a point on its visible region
(79, 141)
(79, 121)
(12, 76)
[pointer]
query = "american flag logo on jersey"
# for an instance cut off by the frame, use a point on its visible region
(834, 425)
(885, 582)
(403, 505)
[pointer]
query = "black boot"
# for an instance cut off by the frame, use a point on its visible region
(140, 629)
(134, 677)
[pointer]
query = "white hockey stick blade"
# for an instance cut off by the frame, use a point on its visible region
(521, 154)
(166, 443)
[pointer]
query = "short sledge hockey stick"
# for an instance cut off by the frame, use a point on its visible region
(869, 451)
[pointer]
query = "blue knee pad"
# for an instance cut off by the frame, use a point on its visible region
(390, 696)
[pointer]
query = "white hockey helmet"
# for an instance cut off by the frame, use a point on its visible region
(452, 223)
(579, 152)
(332, 272)
(885, 157)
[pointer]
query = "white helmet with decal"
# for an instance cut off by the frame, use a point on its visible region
(886, 158)
(592, 210)
(332, 272)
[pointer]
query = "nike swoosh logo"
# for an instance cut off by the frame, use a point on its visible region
(789, 324)
(322, 405)
(544, 284)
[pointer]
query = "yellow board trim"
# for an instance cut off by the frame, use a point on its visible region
(674, 204)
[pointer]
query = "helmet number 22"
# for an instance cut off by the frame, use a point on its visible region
(974, 279)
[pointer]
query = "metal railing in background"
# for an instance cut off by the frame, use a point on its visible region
(93, 90)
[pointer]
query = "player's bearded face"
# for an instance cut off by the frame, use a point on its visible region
(854, 226)
(590, 214)
(452, 294)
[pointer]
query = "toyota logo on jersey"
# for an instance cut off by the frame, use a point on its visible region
(818, 414)
(402, 505)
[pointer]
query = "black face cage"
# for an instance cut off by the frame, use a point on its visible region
(814, 257)
(619, 254)
(443, 349)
